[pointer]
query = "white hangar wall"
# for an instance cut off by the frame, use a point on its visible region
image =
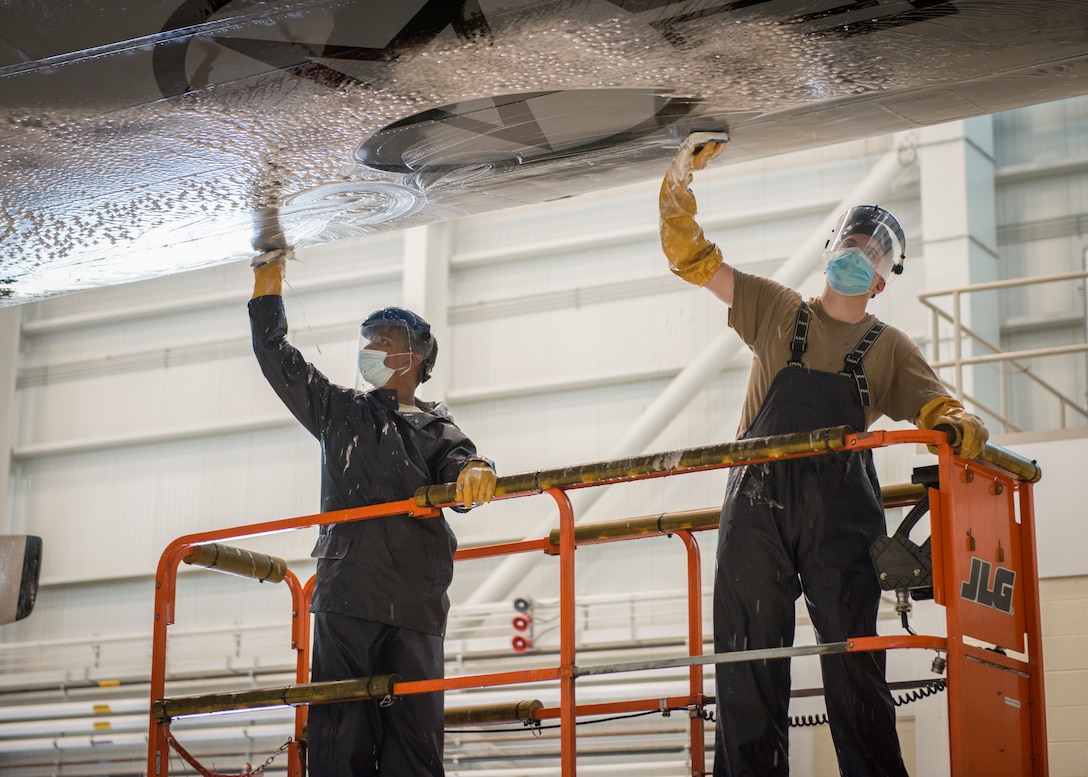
(138, 415)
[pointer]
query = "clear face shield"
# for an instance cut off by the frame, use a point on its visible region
(385, 351)
(876, 234)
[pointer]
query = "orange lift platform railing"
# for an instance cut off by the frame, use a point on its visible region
(979, 564)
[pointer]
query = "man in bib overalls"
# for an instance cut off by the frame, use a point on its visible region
(805, 526)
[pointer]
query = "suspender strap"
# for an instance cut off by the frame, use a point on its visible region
(800, 336)
(852, 366)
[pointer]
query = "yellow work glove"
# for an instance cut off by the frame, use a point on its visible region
(947, 411)
(268, 271)
(691, 256)
(476, 483)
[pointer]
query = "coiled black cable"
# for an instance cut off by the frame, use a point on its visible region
(796, 721)
(931, 688)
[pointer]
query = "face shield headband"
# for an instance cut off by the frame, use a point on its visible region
(876, 233)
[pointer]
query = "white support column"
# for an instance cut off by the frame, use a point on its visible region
(426, 292)
(959, 234)
(10, 319)
(959, 247)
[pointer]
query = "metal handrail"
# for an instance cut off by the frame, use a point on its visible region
(997, 355)
(427, 501)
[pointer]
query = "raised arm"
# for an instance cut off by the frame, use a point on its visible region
(268, 271)
(691, 255)
(301, 386)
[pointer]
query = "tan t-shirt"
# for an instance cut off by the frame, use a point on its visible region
(764, 313)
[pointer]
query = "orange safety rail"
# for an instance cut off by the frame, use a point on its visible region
(984, 575)
(165, 594)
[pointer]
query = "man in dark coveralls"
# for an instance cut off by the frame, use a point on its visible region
(380, 600)
(805, 526)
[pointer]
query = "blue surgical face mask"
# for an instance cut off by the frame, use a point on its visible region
(372, 367)
(850, 273)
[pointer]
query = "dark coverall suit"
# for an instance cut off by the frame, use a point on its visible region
(380, 600)
(802, 526)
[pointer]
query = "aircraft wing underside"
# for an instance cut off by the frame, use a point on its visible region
(145, 137)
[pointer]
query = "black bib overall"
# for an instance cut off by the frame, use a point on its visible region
(802, 526)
